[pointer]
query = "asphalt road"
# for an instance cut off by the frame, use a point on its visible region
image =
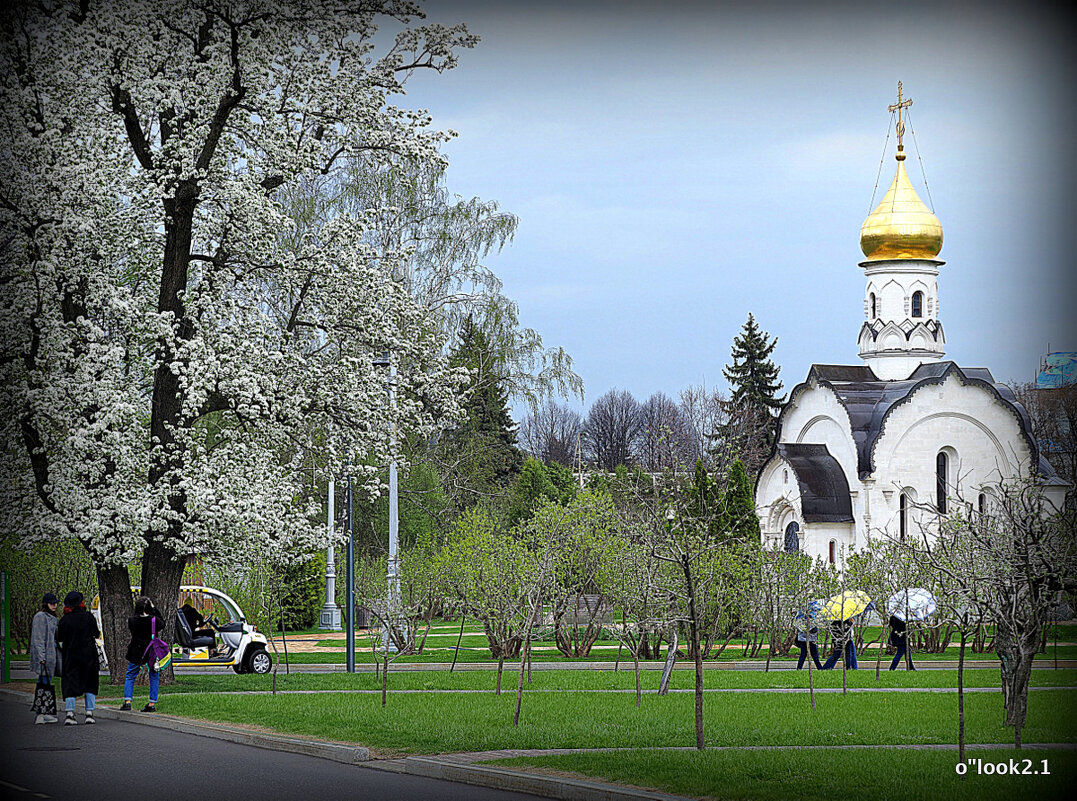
(116, 761)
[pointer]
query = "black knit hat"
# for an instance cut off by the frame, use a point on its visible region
(49, 599)
(72, 599)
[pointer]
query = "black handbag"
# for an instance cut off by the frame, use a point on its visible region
(44, 695)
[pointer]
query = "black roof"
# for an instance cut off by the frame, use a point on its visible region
(868, 400)
(824, 492)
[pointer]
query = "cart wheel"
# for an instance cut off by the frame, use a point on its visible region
(260, 662)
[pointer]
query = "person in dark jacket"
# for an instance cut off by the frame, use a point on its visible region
(76, 634)
(198, 623)
(842, 633)
(44, 656)
(899, 638)
(143, 625)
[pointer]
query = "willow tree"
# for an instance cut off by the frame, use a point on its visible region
(164, 356)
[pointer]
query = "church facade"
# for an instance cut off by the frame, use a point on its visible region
(863, 449)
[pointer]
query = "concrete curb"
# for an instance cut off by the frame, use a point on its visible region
(534, 783)
(336, 752)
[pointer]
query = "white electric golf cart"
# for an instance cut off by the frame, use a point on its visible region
(228, 640)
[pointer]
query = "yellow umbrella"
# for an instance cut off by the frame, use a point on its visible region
(846, 605)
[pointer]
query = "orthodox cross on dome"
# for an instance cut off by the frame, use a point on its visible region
(898, 107)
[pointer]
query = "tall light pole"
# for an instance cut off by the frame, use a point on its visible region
(351, 581)
(329, 620)
(393, 573)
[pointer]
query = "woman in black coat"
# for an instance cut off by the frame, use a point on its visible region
(145, 624)
(899, 638)
(76, 635)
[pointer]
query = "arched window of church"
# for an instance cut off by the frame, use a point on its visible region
(874, 307)
(981, 503)
(785, 476)
(792, 539)
(941, 467)
(831, 552)
(903, 516)
(917, 304)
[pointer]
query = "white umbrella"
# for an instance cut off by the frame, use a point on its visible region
(915, 603)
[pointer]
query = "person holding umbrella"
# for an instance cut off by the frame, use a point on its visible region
(841, 609)
(914, 603)
(842, 632)
(900, 640)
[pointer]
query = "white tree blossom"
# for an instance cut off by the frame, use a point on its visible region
(165, 361)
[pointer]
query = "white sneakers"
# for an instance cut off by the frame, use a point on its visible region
(45, 719)
(69, 719)
(89, 718)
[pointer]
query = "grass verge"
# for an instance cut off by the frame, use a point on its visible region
(882, 775)
(476, 722)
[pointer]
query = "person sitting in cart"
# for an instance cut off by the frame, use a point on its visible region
(199, 627)
(194, 620)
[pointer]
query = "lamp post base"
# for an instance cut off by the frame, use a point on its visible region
(329, 618)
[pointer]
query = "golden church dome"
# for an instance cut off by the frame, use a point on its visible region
(901, 227)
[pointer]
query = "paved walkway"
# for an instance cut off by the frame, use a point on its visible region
(20, 669)
(672, 691)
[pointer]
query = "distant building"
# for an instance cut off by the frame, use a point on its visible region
(860, 448)
(1057, 370)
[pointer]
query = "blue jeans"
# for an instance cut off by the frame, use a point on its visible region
(850, 657)
(69, 703)
(902, 650)
(804, 654)
(129, 682)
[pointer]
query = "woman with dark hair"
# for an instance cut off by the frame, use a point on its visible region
(144, 625)
(44, 656)
(76, 634)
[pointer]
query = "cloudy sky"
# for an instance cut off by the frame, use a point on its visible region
(677, 165)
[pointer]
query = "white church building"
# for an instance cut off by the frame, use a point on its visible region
(860, 447)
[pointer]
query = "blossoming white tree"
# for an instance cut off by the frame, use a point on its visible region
(166, 358)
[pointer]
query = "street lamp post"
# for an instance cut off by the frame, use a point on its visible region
(351, 582)
(393, 572)
(329, 620)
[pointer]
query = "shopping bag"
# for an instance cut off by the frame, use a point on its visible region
(158, 654)
(44, 696)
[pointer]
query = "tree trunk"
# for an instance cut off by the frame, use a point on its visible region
(882, 639)
(520, 680)
(844, 668)
(961, 700)
(385, 677)
(459, 639)
(635, 666)
(1016, 654)
(114, 591)
(693, 629)
(500, 667)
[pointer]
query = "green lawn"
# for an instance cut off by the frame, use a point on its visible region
(577, 680)
(879, 775)
(434, 723)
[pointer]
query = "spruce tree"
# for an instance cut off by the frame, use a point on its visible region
(753, 377)
(754, 401)
(484, 444)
